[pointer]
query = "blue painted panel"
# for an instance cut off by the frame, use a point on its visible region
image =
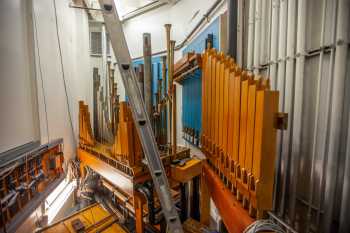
(192, 85)
(191, 102)
(198, 44)
(156, 74)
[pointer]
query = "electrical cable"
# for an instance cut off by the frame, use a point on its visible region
(63, 75)
(263, 226)
(40, 71)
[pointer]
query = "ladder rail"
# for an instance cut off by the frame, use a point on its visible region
(141, 118)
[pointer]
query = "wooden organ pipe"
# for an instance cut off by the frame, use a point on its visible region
(239, 131)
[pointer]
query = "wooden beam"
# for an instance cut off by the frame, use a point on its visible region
(235, 218)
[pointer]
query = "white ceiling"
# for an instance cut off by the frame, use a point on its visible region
(127, 6)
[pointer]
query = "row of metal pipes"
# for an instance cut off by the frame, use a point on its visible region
(167, 99)
(286, 54)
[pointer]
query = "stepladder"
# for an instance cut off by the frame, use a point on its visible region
(140, 116)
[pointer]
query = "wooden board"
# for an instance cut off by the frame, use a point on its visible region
(264, 148)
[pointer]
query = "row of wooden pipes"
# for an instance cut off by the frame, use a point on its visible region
(238, 130)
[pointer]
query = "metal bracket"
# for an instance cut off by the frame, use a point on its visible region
(281, 121)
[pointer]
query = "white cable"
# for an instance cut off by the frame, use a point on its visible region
(262, 226)
(40, 71)
(63, 75)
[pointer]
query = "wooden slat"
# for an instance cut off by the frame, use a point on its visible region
(226, 101)
(208, 96)
(211, 99)
(235, 119)
(243, 192)
(243, 121)
(231, 104)
(225, 112)
(220, 111)
(216, 102)
(204, 105)
(264, 149)
(250, 131)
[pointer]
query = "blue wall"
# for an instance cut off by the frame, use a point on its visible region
(192, 85)
(198, 44)
(191, 101)
(156, 73)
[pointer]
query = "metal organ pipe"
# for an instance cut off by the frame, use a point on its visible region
(169, 107)
(298, 105)
(251, 19)
(342, 46)
(240, 23)
(232, 28)
(173, 97)
(288, 106)
(264, 16)
(282, 50)
(257, 36)
(316, 120)
(274, 43)
(273, 70)
(344, 222)
(140, 78)
(323, 138)
(147, 80)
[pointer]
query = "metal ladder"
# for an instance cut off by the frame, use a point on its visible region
(142, 122)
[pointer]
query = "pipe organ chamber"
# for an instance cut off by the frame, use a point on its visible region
(239, 126)
(122, 168)
(239, 123)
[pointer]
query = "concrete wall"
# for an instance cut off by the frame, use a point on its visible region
(61, 103)
(27, 83)
(19, 122)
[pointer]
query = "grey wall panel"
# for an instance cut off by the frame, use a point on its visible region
(318, 81)
(314, 21)
(19, 121)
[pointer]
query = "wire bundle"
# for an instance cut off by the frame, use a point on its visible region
(263, 226)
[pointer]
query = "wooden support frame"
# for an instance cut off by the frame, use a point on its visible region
(236, 219)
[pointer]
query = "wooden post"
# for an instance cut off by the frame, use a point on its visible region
(204, 201)
(138, 206)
